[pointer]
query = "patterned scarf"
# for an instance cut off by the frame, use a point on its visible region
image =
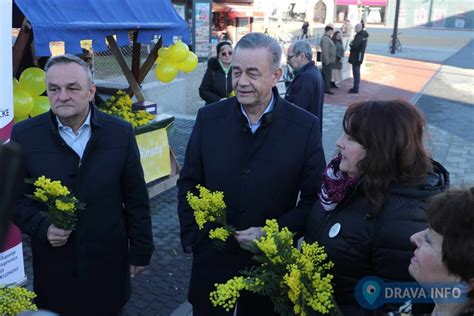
(335, 185)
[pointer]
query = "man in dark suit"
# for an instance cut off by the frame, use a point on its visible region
(307, 88)
(95, 155)
(263, 153)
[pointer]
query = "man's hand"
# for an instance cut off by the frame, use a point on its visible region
(248, 235)
(134, 270)
(57, 237)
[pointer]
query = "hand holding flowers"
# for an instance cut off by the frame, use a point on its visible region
(298, 283)
(209, 207)
(62, 205)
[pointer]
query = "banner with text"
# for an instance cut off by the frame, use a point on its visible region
(6, 88)
(154, 154)
(12, 269)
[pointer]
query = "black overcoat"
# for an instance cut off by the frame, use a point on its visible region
(260, 174)
(89, 275)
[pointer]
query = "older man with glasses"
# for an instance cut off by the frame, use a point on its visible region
(307, 88)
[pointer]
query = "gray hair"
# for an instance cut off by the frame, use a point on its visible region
(303, 47)
(260, 40)
(69, 59)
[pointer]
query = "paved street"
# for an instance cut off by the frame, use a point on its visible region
(443, 92)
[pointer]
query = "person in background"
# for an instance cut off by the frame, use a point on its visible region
(373, 196)
(95, 155)
(337, 65)
(328, 57)
(306, 90)
(272, 170)
(216, 84)
(445, 250)
(304, 30)
(356, 57)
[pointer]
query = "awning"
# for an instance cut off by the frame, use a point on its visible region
(71, 21)
(237, 10)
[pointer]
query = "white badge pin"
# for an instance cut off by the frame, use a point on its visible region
(335, 229)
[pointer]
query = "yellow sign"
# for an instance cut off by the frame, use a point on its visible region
(154, 154)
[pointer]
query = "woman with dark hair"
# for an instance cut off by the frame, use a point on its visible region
(445, 251)
(373, 195)
(217, 81)
(336, 75)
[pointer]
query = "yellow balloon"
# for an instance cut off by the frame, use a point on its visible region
(164, 52)
(40, 106)
(160, 60)
(17, 119)
(166, 72)
(16, 84)
(189, 64)
(33, 81)
(178, 52)
(22, 103)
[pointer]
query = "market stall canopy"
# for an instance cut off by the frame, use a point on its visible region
(71, 21)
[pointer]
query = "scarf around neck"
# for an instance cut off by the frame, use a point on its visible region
(335, 185)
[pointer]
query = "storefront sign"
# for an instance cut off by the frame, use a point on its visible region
(154, 154)
(202, 29)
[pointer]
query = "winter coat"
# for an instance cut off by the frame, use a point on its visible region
(339, 55)
(261, 175)
(90, 274)
(328, 50)
(358, 46)
(306, 90)
(216, 84)
(373, 245)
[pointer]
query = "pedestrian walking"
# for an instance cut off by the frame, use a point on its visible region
(336, 74)
(356, 56)
(328, 57)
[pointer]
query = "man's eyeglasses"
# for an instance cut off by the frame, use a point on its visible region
(226, 54)
(290, 56)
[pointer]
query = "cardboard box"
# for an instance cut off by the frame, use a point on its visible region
(150, 107)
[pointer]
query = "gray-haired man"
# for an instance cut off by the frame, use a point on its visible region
(262, 152)
(307, 88)
(95, 155)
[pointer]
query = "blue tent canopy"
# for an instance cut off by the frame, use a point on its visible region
(71, 21)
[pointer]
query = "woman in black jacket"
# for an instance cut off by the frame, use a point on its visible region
(217, 82)
(373, 195)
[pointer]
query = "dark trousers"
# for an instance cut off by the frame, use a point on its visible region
(356, 75)
(326, 72)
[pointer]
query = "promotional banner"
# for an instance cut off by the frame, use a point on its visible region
(6, 88)
(11, 253)
(154, 154)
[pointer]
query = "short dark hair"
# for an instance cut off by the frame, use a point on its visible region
(392, 134)
(222, 44)
(451, 214)
(328, 28)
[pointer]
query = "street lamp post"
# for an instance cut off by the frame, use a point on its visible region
(395, 28)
